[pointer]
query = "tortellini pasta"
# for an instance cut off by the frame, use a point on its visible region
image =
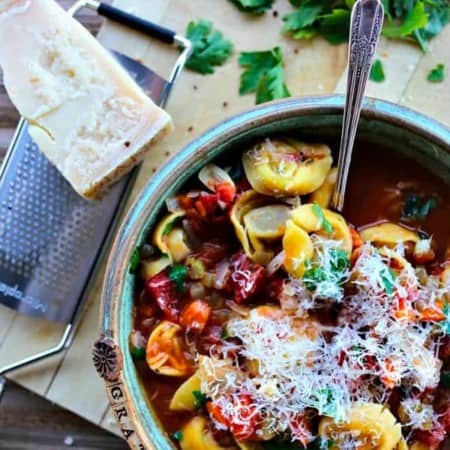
(256, 219)
(184, 399)
(170, 239)
(307, 217)
(287, 167)
(298, 249)
(165, 354)
(195, 435)
(369, 425)
(322, 196)
(389, 234)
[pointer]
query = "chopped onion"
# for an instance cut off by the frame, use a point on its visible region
(193, 240)
(222, 274)
(197, 290)
(173, 205)
(193, 194)
(275, 264)
(238, 309)
(212, 176)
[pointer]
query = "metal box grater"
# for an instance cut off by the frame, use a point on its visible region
(51, 239)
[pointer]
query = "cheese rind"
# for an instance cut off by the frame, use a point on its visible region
(85, 112)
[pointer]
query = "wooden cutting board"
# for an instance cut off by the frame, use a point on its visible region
(197, 102)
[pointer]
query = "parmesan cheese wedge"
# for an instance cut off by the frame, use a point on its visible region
(86, 114)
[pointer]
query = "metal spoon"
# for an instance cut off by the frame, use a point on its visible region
(365, 28)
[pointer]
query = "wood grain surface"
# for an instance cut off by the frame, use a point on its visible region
(29, 422)
(198, 102)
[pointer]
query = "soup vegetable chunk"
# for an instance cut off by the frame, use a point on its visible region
(265, 320)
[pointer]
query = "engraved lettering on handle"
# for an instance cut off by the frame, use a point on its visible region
(365, 28)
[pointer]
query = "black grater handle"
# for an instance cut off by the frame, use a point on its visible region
(136, 23)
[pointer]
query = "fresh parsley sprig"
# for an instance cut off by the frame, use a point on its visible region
(263, 74)
(377, 72)
(436, 74)
(210, 47)
(253, 6)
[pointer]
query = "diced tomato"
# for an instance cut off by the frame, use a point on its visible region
(226, 192)
(163, 292)
(250, 418)
(301, 429)
(402, 310)
(246, 278)
(356, 238)
(431, 438)
(390, 377)
(216, 415)
(209, 202)
(210, 253)
(195, 316)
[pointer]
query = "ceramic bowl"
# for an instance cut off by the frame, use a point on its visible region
(381, 123)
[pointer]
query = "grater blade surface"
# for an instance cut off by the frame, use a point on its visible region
(50, 238)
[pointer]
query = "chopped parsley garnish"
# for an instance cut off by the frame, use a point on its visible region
(169, 227)
(199, 399)
(445, 324)
(178, 273)
(436, 75)
(377, 72)
(263, 74)
(134, 260)
(178, 435)
(137, 353)
(416, 208)
(324, 224)
(312, 277)
(253, 6)
(224, 334)
(339, 263)
(210, 47)
(388, 279)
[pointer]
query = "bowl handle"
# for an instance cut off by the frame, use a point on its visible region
(108, 362)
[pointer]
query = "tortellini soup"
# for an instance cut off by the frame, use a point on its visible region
(265, 320)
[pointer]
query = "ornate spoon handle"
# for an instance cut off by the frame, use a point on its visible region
(365, 27)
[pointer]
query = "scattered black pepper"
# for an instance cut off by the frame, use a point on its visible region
(167, 153)
(195, 87)
(127, 143)
(275, 13)
(190, 128)
(295, 50)
(225, 104)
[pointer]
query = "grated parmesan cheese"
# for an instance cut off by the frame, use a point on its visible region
(299, 366)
